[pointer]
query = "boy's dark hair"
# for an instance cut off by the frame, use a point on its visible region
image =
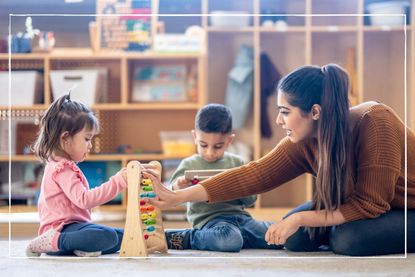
(63, 115)
(214, 118)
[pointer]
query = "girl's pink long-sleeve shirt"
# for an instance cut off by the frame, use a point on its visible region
(65, 196)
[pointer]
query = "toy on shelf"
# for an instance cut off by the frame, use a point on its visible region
(143, 232)
(130, 30)
(195, 176)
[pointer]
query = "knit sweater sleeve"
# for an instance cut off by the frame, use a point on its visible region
(378, 166)
(274, 169)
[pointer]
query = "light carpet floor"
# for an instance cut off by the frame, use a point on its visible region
(203, 263)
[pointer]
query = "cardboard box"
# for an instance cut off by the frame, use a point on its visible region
(26, 88)
(88, 86)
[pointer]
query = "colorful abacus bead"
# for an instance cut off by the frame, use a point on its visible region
(150, 228)
(146, 236)
(148, 188)
(144, 216)
(150, 222)
(146, 182)
(148, 195)
(151, 215)
(194, 181)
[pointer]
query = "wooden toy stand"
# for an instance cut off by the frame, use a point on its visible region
(143, 232)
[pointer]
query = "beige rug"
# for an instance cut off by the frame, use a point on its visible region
(204, 263)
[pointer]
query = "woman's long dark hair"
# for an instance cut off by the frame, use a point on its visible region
(327, 86)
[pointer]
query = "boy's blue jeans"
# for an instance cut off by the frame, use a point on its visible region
(230, 233)
(89, 237)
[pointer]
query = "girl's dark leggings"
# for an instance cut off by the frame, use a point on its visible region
(379, 236)
(89, 237)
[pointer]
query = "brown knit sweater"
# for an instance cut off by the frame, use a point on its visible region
(378, 139)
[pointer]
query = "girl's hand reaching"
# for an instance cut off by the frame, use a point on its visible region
(123, 173)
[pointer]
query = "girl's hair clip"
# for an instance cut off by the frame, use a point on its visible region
(68, 97)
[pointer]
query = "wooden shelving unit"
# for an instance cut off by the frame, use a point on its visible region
(122, 120)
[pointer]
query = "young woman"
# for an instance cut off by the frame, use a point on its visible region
(357, 156)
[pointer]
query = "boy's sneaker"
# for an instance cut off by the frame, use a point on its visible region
(178, 239)
(80, 253)
(46, 242)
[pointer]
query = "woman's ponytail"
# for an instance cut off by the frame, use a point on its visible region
(333, 138)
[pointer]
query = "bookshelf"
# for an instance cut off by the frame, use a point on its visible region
(123, 121)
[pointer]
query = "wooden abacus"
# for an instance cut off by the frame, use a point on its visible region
(143, 232)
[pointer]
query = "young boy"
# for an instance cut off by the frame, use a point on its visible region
(222, 226)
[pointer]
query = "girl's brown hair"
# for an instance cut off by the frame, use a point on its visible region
(63, 115)
(327, 86)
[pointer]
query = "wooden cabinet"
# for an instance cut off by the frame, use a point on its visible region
(123, 121)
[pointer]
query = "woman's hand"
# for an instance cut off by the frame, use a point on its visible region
(151, 169)
(279, 232)
(165, 198)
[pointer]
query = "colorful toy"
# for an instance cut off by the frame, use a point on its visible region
(143, 232)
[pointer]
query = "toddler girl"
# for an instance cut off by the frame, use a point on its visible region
(65, 201)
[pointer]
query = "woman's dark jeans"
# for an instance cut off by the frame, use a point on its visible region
(379, 236)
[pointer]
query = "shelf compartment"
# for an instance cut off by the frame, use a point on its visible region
(162, 81)
(32, 87)
(281, 10)
(336, 8)
(391, 47)
(231, 6)
(24, 185)
(113, 67)
(139, 129)
(287, 51)
(332, 47)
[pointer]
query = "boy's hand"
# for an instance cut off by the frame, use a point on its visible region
(181, 183)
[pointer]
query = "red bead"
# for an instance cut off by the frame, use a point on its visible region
(145, 236)
(142, 202)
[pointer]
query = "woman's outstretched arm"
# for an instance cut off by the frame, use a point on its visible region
(167, 199)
